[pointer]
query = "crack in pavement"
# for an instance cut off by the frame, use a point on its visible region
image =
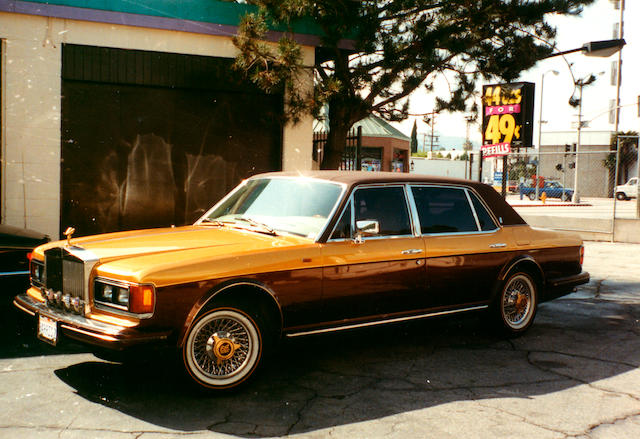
(582, 381)
(613, 421)
(522, 418)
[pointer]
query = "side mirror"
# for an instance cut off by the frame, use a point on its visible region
(367, 227)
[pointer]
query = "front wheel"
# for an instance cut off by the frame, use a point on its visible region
(564, 197)
(517, 303)
(223, 348)
(621, 196)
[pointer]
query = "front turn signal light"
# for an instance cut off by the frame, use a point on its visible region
(142, 299)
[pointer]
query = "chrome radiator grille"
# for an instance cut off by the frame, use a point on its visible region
(72, 278)
(64, 282)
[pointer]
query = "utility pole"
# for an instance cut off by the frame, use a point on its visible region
(619, 78)
(430, 119)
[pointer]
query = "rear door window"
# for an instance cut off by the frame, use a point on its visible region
(444, 210)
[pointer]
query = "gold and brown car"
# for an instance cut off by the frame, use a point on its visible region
(289, 255)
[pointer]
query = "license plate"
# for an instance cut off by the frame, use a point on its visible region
(47, 330)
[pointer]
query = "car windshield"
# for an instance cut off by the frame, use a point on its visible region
(300, 206)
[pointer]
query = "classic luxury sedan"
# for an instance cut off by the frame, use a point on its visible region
(288, 255)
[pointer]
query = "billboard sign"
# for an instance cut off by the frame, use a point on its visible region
(507, 117)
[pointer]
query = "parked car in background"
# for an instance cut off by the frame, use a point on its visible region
(553, 189)
(628, 190)
(290, 254)
(15, 246)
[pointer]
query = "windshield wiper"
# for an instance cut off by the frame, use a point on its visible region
(212, 221)
(257, 224)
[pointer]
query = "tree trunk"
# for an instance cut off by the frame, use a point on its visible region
(345, 109)
(334, 148)
(340, 122)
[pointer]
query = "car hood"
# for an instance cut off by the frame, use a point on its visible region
(221, 240)
(187, 254)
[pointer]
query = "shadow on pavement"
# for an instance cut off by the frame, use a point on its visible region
(319, 382)
(18, 334)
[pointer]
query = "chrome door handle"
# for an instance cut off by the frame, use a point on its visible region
(499, 245)
(412, 251)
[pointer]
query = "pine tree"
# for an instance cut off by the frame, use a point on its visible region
(414, 138)
(375, 53)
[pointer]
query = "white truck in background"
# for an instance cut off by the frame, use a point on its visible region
(627, 190)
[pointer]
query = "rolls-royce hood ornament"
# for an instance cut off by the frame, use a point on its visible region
(68, 233)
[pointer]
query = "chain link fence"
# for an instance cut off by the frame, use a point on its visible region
(592, 188)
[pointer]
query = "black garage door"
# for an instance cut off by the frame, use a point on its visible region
(153, 139)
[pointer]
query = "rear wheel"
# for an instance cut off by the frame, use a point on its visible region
(224, 347)
(517, 303)
(564, 196)
(532, 196)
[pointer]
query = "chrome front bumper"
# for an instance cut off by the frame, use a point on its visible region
(88, 330)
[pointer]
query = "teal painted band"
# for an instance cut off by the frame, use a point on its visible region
(207, 11)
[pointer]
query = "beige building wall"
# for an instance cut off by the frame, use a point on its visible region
(31, 126)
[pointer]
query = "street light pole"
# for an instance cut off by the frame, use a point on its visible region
(580, 84)
(555, 72)
(619, 76)
(576, 195)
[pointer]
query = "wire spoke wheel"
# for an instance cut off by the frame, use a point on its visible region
(518, 302)
(223, 348)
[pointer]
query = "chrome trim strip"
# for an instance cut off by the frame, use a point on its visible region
(461, 233)
(473, 208)
(28, 311)
(348, 205)
(382, 322)
(13, 273)
(417, 228)
(252, 284)
(87, 333)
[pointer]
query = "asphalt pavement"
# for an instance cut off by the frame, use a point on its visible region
(575, 374)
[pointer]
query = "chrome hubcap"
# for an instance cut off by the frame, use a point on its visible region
(517, 301)
(221, 347)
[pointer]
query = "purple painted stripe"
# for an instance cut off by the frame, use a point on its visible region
(137, 20)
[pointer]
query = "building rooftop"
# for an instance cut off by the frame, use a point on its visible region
(372, 126)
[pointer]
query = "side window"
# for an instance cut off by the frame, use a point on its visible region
(485, 220)
(387, 206)
(443, 210)
(342, 230)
